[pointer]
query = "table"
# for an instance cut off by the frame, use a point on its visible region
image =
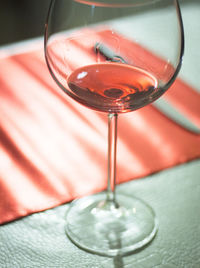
(39, 240)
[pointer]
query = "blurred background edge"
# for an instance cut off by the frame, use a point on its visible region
(25, 19)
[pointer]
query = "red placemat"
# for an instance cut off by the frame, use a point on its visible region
(53, 149)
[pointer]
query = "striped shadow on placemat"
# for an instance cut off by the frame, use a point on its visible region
(53, 149)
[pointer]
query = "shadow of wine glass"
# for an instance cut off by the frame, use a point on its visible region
(119, 259)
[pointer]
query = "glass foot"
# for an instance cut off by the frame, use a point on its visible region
(97, 226)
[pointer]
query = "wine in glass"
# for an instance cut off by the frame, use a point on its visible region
(113, 56)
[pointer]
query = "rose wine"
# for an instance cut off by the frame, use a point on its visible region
(112, 87)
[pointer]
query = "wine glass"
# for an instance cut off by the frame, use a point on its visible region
(113, 56)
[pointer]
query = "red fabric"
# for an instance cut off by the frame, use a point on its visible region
(53, 149)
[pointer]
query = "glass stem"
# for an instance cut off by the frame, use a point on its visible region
(112, 148)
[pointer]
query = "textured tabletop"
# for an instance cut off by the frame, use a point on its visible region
(39, 240)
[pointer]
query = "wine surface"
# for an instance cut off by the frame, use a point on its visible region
(112, 87)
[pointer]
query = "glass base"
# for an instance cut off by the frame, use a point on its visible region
(97, 226)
